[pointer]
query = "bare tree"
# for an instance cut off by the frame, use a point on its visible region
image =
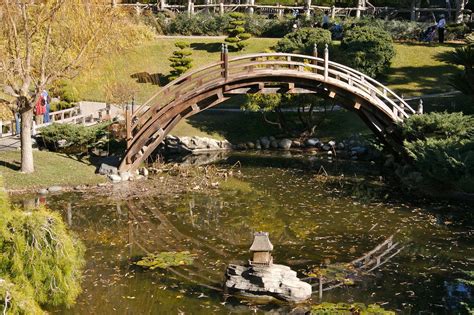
(44, 41)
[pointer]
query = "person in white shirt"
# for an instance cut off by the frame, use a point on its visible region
(441, 26)
(326, 20)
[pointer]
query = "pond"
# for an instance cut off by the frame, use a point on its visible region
(309, 220)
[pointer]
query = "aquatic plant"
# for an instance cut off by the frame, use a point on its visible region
(349, 309)
(165, 260)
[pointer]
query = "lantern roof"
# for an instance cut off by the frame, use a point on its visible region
(261, 243)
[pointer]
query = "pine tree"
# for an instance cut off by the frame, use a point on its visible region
(180, 60)
(237, 32)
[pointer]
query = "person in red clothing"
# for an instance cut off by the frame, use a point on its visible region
(39, 109)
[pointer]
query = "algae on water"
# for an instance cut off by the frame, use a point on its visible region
(165, 260)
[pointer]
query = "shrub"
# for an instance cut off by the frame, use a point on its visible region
(198, 24)
(237, 32)
(61, 105)
(303, 40)
(66, 92)
(77, 138)
(462, 56)
(368, 49)
(180, 60)
(442, 148)
(457, 31)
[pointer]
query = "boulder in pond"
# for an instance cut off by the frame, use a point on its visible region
(284, 144)
(266, 282)
(313, 142)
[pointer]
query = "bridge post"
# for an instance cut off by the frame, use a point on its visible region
(315, 55)
(128, 125)
(326, 63)
(308, 9)
(420, 107)
(402, 109)
(225, 59)
(221, 8)
(250, 8)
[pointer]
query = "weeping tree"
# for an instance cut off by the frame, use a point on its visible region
(237, 32)
(40, 262)
(43, 42)
(180, 60)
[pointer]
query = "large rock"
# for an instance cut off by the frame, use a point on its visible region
(274, 144)
(106, 169)
(195, 144)
(284, 144)
(267, 282)
(312, 142)
(265, 142)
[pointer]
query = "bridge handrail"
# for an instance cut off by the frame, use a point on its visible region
(331, 63)
(365, 82)
(176, 82)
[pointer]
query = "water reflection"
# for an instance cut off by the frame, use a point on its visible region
(309, 224)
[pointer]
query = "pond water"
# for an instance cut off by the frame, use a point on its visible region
(310, 222)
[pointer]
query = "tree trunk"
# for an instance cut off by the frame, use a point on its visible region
(460, 5)
(26, 143)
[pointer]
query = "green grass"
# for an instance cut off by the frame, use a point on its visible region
(50, 169)
(152, 58)
(416, 71)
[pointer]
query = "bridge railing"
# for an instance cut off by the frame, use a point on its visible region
(302, 65)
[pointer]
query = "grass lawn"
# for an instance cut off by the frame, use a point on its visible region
(50, 169)
(152, 59)
(416, 71)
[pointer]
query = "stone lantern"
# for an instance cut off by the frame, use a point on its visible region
(261, 249)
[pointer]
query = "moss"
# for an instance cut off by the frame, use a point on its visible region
(349, 308)
(165, 260)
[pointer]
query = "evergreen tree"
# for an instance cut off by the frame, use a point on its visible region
(237, 32)
(180, 60)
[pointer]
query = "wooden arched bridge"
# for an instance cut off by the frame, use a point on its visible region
(204, 88)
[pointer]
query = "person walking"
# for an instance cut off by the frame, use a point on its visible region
(47, 104)
(441, 25)
(39, 110)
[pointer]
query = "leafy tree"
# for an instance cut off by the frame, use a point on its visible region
(40, 263)
(180, 60)
(463, 56)
(44, 42)
(308, 119)
(367, 49)
(442, 148)
(303, 40)
(237, 32)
